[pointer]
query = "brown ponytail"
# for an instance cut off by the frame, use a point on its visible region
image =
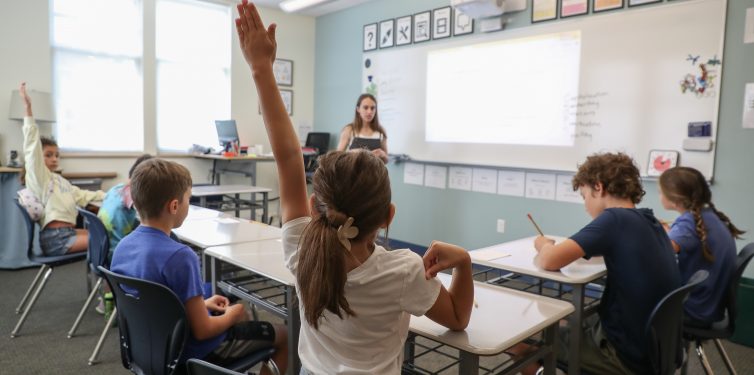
(346, 184)
(687, 188)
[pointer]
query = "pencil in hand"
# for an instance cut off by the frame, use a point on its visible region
(535, 225)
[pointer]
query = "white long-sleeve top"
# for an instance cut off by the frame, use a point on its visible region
(58, 196)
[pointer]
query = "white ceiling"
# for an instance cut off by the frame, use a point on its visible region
(329, 6)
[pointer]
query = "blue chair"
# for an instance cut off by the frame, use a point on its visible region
(725, 328)
(98, 248)
(665, 325)
(154, 328)
(48, 264)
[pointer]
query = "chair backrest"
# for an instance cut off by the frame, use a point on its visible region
(99, 241)
(29, 229)
(318, 140)
(731, 304)
(152, 323)
(198, 367)
(665, 325)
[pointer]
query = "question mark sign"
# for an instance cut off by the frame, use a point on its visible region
(371, 37)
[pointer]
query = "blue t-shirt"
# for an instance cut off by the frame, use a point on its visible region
(117, 215)
(705, 302)
(150, 254)
(641, 270)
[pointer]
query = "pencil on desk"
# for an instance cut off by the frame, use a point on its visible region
(535, 225)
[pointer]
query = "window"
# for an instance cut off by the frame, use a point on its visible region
(97, 74)
(192, 46)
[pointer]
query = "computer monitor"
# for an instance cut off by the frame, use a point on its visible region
(226, 131)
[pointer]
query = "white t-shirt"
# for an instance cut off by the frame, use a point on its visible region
(383, 291)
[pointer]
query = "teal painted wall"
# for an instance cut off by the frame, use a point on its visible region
(468, 218)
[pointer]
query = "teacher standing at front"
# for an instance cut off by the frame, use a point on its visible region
(365, 131)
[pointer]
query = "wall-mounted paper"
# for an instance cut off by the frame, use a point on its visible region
(564, 192)
(540, 185)
(485, 180)
(511, 183)
(748, 118)
(749, 26)
(435, 176)
(459, 178)
(413, 173)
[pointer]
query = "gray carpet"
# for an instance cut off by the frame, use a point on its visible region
(42, 347)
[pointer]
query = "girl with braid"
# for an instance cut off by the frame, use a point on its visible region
(355, 297)
(704, 239)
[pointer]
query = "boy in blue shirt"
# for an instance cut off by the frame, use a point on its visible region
(641, 267)
(220, 332)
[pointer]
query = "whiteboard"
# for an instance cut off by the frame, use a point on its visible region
(632, 66)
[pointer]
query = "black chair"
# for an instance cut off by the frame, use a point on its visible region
(665, 325)
(725, 328)
(154, 328)
(199, 367)
(99, 246)
(320, 142)
(48, 264)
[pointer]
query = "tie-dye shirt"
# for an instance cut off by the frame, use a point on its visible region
(118, 214)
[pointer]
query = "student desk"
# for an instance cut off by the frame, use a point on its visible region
(217, 231)
(245, 165)
(503, 318)
(271, 287)
(236, 190)
(518, 257)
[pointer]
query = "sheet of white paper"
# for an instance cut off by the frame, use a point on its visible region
(564, 192)
(484, 180)
(459, 178)
(435, 176)
(749, 26)
(511, 183)
(489, 254)
(748, 117)
(226, 220)
(540, 185)
(413, 173)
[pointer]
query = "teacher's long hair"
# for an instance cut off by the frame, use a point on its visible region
(346, 185)
(358, 123)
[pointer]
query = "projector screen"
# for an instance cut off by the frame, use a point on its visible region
(520, 91)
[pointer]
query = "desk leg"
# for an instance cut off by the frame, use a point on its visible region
(237, 202)
(253, 206)
(294, 325)
(212, 272)
(576, 322)
(551, 341)
(265, 212)
(214, 173)
(203, 201)
(469, 363)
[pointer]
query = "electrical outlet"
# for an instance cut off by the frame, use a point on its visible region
(500, 226)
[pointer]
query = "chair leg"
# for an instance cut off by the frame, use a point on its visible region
(272, 366)
(88, 302)
(686, 357)
(31, 302)
(726, 359)
(102, 337)
(703, 359)
(31, 287)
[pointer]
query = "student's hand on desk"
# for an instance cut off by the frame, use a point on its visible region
(216, 304)
(441, 256)
(541, 241)
(258, 45)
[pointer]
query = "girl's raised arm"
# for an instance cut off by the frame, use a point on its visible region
(258, 45)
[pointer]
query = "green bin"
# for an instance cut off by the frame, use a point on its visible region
(744, 334)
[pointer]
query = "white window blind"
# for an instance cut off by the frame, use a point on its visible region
(97, 69)
(192, 46)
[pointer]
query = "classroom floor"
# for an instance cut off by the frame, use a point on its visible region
(42, 347)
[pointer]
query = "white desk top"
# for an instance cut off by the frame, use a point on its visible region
(262, 257)
(251, 157)
(201, 213)
(504, 318)
(203, 191)
(518, 256)
(224, 231)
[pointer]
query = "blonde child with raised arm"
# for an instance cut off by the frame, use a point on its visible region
(59, 198)
(356, 298)
(704, 239)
